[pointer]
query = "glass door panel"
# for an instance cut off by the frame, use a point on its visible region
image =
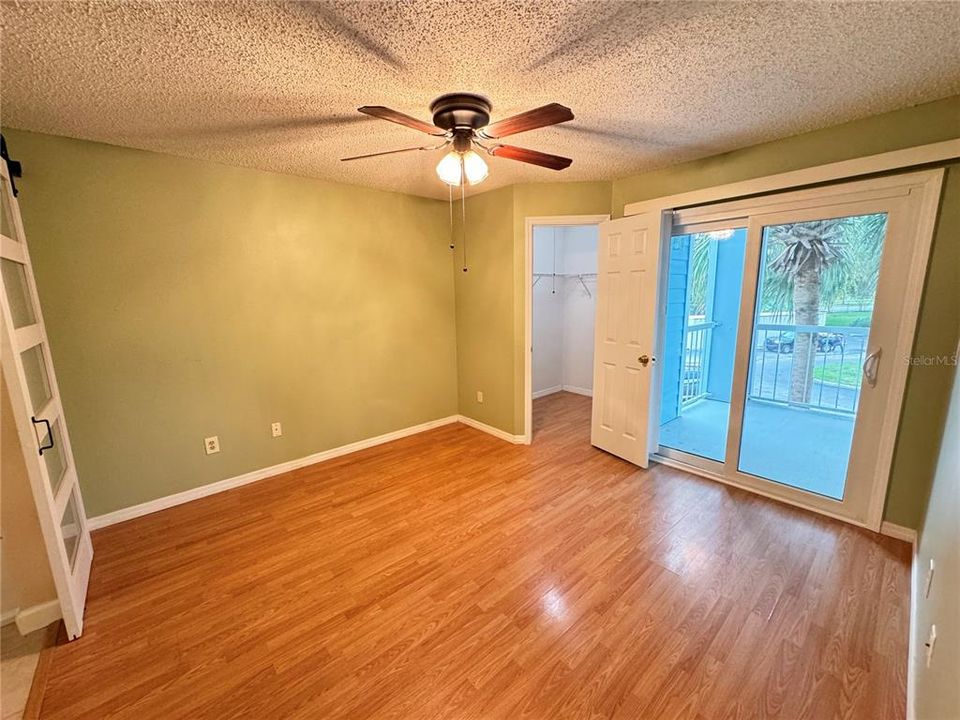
(70, 530)
(18, 293)
(35, 371)
(812, 318)
(704, 281)
(51, 444)
(6, 216)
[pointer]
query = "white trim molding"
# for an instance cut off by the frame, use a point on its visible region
(548, 391)
(8, 617)
(39, 616)
(490, 430)
(180, 498)
(899, 532)
(577, 390)
(843, 170)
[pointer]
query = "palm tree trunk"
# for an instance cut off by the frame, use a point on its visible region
(806, 311)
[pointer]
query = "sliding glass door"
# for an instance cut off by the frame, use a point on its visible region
(785, 322)
(808, 352)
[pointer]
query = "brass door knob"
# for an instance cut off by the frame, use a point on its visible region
(645, 360)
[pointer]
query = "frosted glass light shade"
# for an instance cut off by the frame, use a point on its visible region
(449, 169)
(474, 168)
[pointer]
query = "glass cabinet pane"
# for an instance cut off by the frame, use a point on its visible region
(18, 293)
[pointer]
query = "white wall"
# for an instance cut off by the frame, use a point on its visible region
(936, 690)
(563, 320)
(547, 312)
(579, 256)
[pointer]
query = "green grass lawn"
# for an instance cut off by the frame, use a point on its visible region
(832, 374)
(851, 318)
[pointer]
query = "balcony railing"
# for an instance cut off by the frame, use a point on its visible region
(696, 361)
(835, 375)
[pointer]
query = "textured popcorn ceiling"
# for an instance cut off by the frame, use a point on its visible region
(275, 85)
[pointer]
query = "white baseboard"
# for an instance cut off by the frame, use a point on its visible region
(169, 501)
(899, 532)
(8, 617)
(39, 616)
(490, 430)
(547, 391)
(578, 390)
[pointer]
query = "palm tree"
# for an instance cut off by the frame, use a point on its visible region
(807, 251)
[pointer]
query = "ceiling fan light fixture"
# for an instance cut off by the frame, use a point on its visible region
(450, 170)
(474, 168)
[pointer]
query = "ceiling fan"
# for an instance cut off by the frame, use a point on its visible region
(463, 121)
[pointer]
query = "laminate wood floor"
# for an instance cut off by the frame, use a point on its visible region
(453, 575)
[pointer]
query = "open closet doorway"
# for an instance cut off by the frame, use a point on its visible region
(560, 316)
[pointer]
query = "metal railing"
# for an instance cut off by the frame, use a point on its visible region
(695, 362)
(834, 373)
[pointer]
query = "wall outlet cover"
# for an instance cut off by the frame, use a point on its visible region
(212, 444)
(479, 396)
(276, 430)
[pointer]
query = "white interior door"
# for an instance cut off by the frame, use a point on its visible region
(28, 372)
(625, 333)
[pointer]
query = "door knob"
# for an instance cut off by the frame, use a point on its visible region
(645, 360)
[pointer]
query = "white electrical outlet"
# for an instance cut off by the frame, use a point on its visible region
(929, 582)
(930, 644)
(276, 429)
(479, 396)
(212, 445)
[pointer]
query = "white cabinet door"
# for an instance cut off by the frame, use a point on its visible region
(625, 335)
(28, 372)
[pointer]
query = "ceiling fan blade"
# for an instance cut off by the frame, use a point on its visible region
(388, 152)
(551, 114)
(385, 113)
(534, 157)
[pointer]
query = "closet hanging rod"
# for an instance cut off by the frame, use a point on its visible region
(571, 275)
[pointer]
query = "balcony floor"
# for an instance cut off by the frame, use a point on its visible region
(806, 449)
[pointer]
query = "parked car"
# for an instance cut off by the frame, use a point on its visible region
(783, 342)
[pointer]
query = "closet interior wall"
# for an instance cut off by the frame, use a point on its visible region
(564, 297)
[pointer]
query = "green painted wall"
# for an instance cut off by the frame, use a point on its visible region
(185, 299)
(928, 386)
(485, 308)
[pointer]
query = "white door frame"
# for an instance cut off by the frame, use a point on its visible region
(529, 224)
(915, 235)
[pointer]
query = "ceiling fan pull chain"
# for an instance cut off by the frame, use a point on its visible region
(463, 218)
(450, 193)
